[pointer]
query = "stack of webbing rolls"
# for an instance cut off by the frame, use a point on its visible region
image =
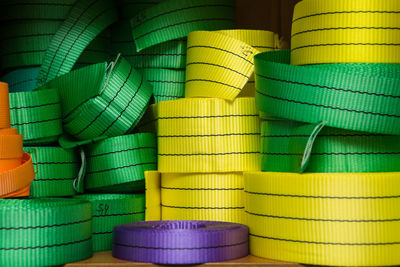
(345, 74)
(207, 140)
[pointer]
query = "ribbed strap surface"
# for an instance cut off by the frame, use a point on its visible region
(117, 164)
(174, 19)
(220, 64)
(208, 135)
(110, 210)
(56, 169)
(340, 31)
(360, 97)
(44, 232)
(349, 219)
(288, 146)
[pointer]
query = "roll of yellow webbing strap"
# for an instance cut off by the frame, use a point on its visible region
(342, 219)
(342, 31)
(195, 196)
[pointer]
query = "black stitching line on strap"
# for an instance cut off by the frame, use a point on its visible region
(216, 48)
(217, 65)
(321, 220)
(322, 197)
(201, 189)
(119, 151)
(180, 23)
(102, 233)
(211, 154)
(37, 106)
(209, 117)
(177, 10)
(326, 243)
(108, 104)
(141, 3)
(207, 135)
(32, 122)
(54, 179)
(66, 34)
(117, 168)
(154, 81)
(79, 35)
(346, 12)
(339, 44)
(43, 226)
(204, 80)
(50, 246)
(327, 135)
(121, 214)
(128, 104)
(328, 107)
(200, 208)
(332, 154)
(222, 246)
(327, 87)
(347, 28)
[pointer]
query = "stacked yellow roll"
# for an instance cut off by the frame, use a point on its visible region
(205, 144)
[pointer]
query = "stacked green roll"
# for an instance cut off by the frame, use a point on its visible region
(109, 210)
(44, 232)
(117, 164)
(56, 169)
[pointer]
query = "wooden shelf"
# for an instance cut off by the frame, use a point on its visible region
(104, 258)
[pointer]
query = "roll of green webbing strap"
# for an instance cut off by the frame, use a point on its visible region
(289, 146)
(44, 232)
(110, 210)
(29, 30)
(86, 19)
(117, 164)
(101, 100)
(174, 19)
(360, 97)
(130, 8)
(56, 169)
(168, 84)
(36, 115)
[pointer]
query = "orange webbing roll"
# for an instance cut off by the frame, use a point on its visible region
(16, 169)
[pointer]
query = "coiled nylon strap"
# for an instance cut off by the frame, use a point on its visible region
(349, 219)
(109, 103)
(288, 146)
(343, 31)
(29, 29)
(219, 64)
(110, 210)
(16, 170)
(44, 232)
(86, 18)
(208, 135)
(361, 97)
(56, 169)
(174, 19)
(36, 115)
(195, 196)
(117, 164)
(168, 84)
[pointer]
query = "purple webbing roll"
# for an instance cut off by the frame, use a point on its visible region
(180, 242)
